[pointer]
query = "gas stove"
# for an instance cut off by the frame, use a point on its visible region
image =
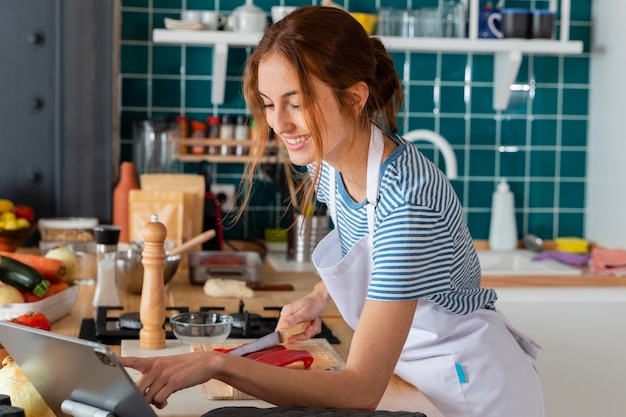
(109, 328)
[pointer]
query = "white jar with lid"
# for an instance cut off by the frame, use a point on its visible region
(503, 227)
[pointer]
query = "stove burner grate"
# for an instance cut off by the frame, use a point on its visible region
(112, 330)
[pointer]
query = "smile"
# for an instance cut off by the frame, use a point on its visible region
(295, 141)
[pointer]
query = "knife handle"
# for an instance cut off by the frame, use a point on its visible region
(299, 328)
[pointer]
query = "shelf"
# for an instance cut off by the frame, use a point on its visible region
(508, 52)
(224, 159)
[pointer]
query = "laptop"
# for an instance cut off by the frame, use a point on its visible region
(74, 376)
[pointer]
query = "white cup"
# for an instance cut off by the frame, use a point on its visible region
(278, 12)
(249, 21)
(211, 20)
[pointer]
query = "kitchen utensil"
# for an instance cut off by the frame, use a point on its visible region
(533, 242)
(244, 266)
(196, 240)
(201, 327)
(542, 24)
(130, 270)
(514, 23)
(257, 286)
(247, 18)
(274, 338)
(278, 12)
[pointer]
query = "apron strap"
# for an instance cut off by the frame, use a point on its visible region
(374, 159)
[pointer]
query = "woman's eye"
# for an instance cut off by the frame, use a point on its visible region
(267, 105)
(294, 106)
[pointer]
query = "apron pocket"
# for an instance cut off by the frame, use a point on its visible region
(440, 379)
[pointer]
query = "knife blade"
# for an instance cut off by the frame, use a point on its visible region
(271, 339)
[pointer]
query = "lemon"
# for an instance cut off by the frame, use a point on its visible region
(5, 205)
(10, 225)
(7, 215)
(22, 223)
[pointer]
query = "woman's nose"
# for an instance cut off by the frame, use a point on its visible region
(282, 122)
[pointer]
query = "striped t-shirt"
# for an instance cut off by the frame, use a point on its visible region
(422, 246)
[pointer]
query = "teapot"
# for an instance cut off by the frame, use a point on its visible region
(247, 18)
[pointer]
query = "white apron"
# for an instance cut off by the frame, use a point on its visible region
(468, 365)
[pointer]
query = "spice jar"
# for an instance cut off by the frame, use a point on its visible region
(198, 131)
(213, 132)
(242, 132)
(227, 132)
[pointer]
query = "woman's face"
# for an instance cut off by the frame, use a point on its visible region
(282, 97)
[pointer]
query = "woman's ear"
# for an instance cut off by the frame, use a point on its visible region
(360, 93)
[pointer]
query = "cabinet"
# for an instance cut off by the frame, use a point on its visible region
(507, 52)
(583, 338)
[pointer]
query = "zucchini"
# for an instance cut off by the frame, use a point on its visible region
(22, 276)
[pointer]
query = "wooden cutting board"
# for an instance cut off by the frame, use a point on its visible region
(324, 357)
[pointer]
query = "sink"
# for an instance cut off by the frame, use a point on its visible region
(519, 262)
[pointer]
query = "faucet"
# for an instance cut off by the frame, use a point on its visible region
(439, 142)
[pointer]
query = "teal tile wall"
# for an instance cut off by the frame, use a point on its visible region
(538, 143)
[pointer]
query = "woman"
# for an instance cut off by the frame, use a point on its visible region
(400, 263)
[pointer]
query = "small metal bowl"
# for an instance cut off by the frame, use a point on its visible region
(130, 270)
(201, 327)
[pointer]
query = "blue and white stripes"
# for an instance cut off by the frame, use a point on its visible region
(422, 247)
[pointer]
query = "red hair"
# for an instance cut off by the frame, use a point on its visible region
(329, 44)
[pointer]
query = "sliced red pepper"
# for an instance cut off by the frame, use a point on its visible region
(252, 355)
(259, 353)
(287, 357)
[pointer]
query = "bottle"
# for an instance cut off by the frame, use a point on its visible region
(198, 131)
(213, 132)
(503, 228)
(227, 132)
(107, 294)
(127, 182)
(183, 130)
(242, 132)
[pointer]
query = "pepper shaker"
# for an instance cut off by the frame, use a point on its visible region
(152, 306)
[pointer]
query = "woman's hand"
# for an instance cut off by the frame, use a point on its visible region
(305, 309)
(162, 376)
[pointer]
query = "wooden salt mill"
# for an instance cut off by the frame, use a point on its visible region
(152, 307)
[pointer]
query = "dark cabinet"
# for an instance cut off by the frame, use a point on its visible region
(58, 144)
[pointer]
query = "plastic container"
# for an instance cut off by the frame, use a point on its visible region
(503, 227)
(244, 266)
(67, 229)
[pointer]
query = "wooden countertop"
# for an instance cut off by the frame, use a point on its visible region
(400, 396)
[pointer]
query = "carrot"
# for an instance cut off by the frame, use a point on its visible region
(53, 289)
(52, 269)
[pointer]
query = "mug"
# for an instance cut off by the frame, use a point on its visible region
(278, 12)
(542, 24)
(249, 21)
(489, 24)
(212, 20)
(515, 23)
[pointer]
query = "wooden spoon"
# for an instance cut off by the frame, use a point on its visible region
(197, 240)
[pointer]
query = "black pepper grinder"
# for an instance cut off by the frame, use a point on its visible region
(107, 293)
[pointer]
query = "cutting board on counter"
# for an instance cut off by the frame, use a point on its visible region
(324, 357)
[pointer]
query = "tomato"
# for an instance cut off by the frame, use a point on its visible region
(33, 319)
(24, 212)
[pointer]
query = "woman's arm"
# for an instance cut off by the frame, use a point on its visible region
(374, 352)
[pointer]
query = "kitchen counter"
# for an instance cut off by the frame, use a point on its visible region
(399, 395)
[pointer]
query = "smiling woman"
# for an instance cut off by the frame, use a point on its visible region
(400, 264)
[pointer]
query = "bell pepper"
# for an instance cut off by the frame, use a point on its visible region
(286, 357)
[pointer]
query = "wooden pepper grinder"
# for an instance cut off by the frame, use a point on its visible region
(152, 307)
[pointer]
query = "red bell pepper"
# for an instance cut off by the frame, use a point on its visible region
(286, 357)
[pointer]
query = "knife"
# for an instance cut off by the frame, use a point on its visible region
(257, 286)
(272, 339)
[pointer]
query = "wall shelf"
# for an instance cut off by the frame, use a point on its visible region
(226, 159)
(508, 52)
